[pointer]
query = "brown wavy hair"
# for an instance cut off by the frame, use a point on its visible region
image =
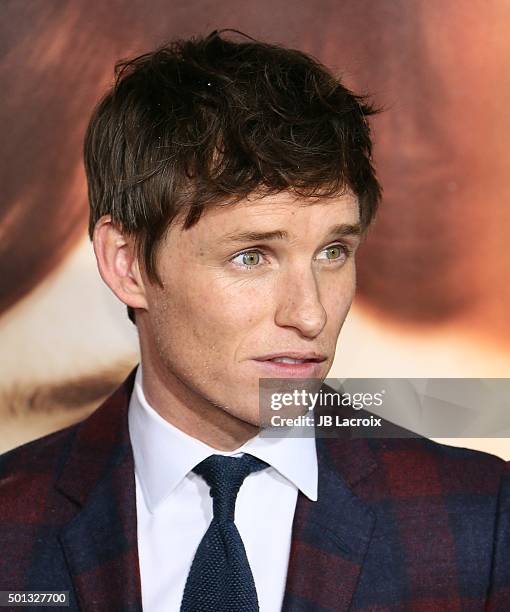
(208, 121)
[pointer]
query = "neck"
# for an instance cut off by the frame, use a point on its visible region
(191, 412)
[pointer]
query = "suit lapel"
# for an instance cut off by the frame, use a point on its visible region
(100, 543)
(330, 536)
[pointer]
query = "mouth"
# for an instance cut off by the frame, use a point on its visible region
(292, 364)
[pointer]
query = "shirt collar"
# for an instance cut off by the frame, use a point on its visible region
(164, 454)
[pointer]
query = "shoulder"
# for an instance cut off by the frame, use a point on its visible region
(436, 450)
(420, 467)
(450, 466)
(29, 471)
(440, 453)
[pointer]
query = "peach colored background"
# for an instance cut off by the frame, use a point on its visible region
(434, 290)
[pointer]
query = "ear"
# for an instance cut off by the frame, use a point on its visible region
(118, 264)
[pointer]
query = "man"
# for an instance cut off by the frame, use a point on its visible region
(230, 184)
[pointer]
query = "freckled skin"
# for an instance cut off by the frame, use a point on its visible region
(200, 333)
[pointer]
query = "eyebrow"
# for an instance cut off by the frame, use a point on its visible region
(342, 229)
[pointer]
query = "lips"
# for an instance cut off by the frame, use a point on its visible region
(291, 364)
(293, 357)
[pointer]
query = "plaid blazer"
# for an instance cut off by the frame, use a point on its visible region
(400, 524)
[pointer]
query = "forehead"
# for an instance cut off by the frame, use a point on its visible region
(286, 212)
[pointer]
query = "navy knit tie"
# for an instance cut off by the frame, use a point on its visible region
(220, 578)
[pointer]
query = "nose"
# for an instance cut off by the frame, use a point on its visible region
(299, 305)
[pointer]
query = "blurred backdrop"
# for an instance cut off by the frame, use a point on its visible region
(433, 283)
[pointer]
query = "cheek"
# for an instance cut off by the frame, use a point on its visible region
(213, 313)
(338, 296)
(230, 312)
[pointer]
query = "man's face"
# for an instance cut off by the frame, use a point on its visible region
(261, 279)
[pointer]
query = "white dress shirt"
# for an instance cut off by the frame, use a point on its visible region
(174, 507)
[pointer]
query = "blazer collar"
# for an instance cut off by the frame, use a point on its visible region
(100, 543)
(329, 536)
